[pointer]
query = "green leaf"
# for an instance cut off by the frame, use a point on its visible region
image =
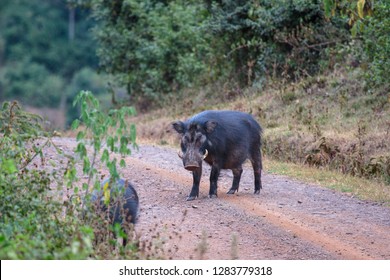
(110, 143)
(360, 8)
(328, 7)
(133, 133)
(86, 165)
(75, 124)
(354, 30)
(81, 150)
(105, 156)
(8, 166)
(80, 135)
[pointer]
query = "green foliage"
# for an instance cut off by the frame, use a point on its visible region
(38, 31)
(274, 38)
(152, 47)
(354, 10)
(107, 135)
(376, 44)
(111, 132)
(32, 225)
(14, 120)
(156, 50)
(26, 80)
(156, 47)
(44, 213)
(370, 24)
(38, 56)
(86, 78)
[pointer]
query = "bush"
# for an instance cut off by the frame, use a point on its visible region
(32, 83)
(32, 224)
(369, 23)
(86, 78)
(376, 43)
(153, 48)
(37, 221)
(284, 38)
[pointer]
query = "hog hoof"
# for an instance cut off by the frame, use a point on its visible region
(257, 191)
(231, 191)
(213, 196)
(189, 198)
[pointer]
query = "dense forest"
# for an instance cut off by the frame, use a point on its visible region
(47, 53)
(155, 50)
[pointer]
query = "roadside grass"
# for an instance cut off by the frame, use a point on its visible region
(330, 129)
(364, 189)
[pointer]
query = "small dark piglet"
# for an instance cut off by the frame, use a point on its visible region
(124, 203)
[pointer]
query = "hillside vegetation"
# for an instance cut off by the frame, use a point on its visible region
(314, 73)
(318, 122)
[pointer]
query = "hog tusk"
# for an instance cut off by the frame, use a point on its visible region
(180, 154)
(205, 154)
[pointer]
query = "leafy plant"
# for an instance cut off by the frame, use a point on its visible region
(37, 221)
(109, 133)
(279, 39)
(369, 24)
(376, 45)
(38, 55)
(152, 47)
(32, 225)
(102, 137)
(356, 11)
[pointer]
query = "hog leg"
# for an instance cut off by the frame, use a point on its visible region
(214, 175)
(236, 179)
(196, 174)
(257, 167)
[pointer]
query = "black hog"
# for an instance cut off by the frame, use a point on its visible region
(123, 202)
(224, 139)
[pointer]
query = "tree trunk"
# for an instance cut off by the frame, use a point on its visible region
(71, 24)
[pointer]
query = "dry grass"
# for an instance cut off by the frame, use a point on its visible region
(328, 123)
(364, 189)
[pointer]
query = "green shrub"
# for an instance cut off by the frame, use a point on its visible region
(153, 48)
(32, 224)
(45, 213)
(369, 23)
(31, 82)
(376, 44)
(86, 78)
(287, 39)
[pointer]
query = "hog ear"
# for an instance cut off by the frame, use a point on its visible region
(210, 125)
(179, 127)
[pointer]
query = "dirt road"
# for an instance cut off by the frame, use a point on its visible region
(288, 220)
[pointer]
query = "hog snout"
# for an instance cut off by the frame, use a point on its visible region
(191, 163)
(191, 167)
(191, 160)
